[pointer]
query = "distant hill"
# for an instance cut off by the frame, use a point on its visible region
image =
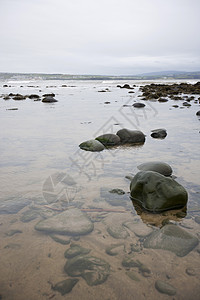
(144, 76)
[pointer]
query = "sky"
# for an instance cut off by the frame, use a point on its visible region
(106, 37)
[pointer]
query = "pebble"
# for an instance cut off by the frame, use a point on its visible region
(165, 288)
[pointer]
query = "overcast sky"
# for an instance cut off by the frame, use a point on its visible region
(116, 37)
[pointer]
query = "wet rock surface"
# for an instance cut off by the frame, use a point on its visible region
(92, 145)
(75, 250)
(109, 139)
(94, 270)
(156, 166)
(131, 136)
(172, 238)
(159, 133)
(156, 192)
(69, 222)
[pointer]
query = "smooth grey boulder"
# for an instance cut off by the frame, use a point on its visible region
(69, 222)
(172, 238)
(159, 133)
(156, 192)
(165, 288)
(109, 139)
(131, 136)
(92, 145)
(156, 166)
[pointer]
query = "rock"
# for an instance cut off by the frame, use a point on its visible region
(139, 228)
(198, 113)
(131, 136)
(156, 192)
(19, 97)
(125, 86)
(49, 95)
(165, 288)
(65, 286)
(75, 250)
(156, 166)
(5, 85)
(108, 139)
(6, 97)
(162, 100)
(14, 108)
(94, 270)
(116, 197)
(33, 96)
(132, 275)
(69, 222)
(190, 272)
(172, 238)
(13, 205)
(29, 215)
(117, 231)
(92, 145)
(109, 249)
(60, 239)
(197, 219)
(107, 102)
(139, 105)
(175, 106)
(13, 232)
(159, 133)
(186, 103)
(49, 99)
(117, 191)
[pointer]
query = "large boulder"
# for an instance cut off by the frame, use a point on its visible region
(69, 222)
(156, 166)
(131, 136)
(92, 145)
(156, 192)
(172, 238)
(109, 139)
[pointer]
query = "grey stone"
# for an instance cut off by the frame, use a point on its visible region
(75, 250)
(172, 238)
(138, 105)
(140, 229)
(109, 139)
(92, 145)
(159, 133)
(13, 205)
(131, 136)
(197, 219)
(94, 270)
(156, 166)
(65, 286)
(49, 99)
(69, 222)
(198, 113)
(165, 288)
(115, 197)
(117, 231)
(156, 192)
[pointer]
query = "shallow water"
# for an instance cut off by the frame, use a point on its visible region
(39, 141)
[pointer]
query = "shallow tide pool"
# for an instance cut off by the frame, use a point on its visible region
(43, 173)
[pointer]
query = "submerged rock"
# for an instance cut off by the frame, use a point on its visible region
(92, 145)
(109, 139)
(115, 197)
(131, 136)
(94, 270)
(172, 238)
(65, 286)
(117, 231)
(156, 166)
(13, 205)
(156, 192)
(139, 228)
(165, 288)
(69, 222)
(75, 250)
(159, 133)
